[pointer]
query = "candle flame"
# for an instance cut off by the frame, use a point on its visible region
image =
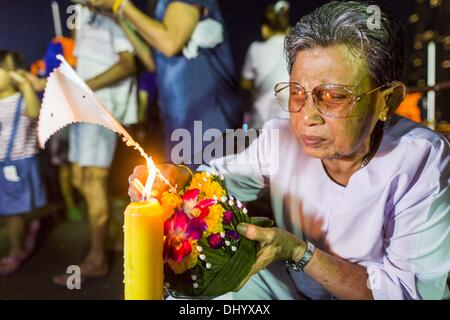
(153, 172)
(147, 192)
(138, 185)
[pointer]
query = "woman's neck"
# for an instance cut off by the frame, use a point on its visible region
(7, 92)
(340, 169)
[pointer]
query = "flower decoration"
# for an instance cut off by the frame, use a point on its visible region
(204, 254)
(179, 231)
(214, 219)
(216, 241)
(194, 208)
(233, 235)
(228, 217)
(170, 201)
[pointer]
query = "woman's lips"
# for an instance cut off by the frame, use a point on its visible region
(311, 141)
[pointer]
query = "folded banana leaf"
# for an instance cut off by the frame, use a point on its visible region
(227, 269)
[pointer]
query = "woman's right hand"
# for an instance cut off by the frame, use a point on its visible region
(176, 175)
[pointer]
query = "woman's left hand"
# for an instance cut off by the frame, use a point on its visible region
(276, 244)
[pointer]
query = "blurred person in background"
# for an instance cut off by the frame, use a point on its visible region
(265, 65)
(21, 185)
(58, 144)
(185, 43)
(105, 60)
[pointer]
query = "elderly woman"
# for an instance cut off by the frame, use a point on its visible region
(360, 196)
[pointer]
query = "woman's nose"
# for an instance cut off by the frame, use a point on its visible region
(310, 115)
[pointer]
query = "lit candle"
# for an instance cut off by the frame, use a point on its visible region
(143, 248)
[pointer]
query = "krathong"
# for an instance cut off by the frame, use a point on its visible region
(204, 255)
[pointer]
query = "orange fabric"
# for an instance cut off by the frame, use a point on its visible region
(38, 67)
(409, 108)
(68, 45)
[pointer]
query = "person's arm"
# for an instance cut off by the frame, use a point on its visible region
(32, 102)
(37, 83)
(141, 48)
(168, 36)
(341, 278)
(416, 256)
(142, 105)
(121, 70)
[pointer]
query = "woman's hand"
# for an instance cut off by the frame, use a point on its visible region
(19, 79)
(176, 175)
(276, 244)
(37, 83)
(32, 102)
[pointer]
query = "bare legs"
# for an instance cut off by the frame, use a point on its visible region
(92, 182)
(66, 187)
(16, 227)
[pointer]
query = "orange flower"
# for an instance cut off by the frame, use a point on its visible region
(170, 201)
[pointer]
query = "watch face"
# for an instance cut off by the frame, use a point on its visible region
(292, 265)
(300, 264)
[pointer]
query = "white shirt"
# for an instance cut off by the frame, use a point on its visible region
(393, 217)
(266, 65)
(25, 142)
(98, 44)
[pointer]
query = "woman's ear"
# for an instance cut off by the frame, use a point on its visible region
(392, 96)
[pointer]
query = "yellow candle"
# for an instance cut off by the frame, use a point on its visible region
(143, 251)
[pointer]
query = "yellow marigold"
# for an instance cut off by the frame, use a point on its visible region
(187, 263)
(213, 189)
(214, 219)
(199, 180)
(210, 189)
(169, 202)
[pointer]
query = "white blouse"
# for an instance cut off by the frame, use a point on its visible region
(393, 217)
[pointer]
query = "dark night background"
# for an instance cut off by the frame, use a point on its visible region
(26, 25)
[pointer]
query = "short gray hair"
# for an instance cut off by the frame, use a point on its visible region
(383, 47)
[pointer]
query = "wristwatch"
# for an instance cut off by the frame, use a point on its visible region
(303, 261)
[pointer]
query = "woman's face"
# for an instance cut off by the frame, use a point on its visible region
(326, 137)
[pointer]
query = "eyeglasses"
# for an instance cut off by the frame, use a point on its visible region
(332, 100)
